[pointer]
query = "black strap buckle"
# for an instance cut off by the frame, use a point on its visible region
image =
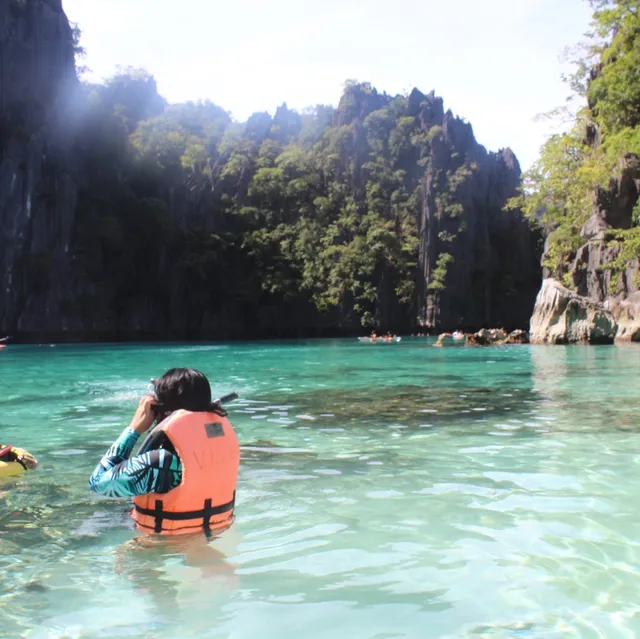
(158, 516)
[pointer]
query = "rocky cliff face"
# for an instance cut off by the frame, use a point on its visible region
(562, 317)
(612, 210)
(97, 244)
(37, 182)
(591, 273)
(478, 263)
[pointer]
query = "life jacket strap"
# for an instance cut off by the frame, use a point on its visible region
(159, 514)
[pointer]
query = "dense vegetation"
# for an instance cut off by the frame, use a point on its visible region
(125, 217)
(318, 210)
(289, 207)
(559, 190)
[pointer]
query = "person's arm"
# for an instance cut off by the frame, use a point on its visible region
(155, 471)
(118, 475)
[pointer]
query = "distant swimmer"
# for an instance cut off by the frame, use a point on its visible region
(15, 461)
(183, 478)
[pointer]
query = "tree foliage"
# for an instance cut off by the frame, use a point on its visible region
(290, 208)
(315, 213)
(558, 190)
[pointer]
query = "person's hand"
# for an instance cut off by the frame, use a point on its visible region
(144, 416)
(29, 460)
(25, 458)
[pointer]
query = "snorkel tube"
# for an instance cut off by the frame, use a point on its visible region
(157, 433)
(225, 399)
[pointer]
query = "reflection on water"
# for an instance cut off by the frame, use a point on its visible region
(388, 492)
(569, 381)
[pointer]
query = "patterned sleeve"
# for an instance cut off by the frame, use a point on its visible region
(118, 475)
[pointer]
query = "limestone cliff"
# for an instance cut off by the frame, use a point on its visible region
(562, 317)
(124, 217)
(37, 182)
(478, 263)
(585, 187)
(592, 273)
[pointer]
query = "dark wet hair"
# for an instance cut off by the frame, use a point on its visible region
(184, 388)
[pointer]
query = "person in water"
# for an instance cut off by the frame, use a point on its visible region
(184, 477)
(12, 455)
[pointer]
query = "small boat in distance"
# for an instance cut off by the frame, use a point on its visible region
(380, 339)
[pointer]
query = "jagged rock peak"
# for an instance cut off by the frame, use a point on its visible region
(458, 132)
(416, 97)
(508, 157)
(429, 108)
(286, 121)
(357, 102)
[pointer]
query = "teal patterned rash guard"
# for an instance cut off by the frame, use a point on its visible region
(119, 475)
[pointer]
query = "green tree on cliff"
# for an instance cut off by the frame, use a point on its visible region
(558, 190)
(282, 196)
(315, 213)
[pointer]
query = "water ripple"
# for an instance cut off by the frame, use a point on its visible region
(405, 492)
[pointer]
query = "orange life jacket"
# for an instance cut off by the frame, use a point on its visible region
(204, 501)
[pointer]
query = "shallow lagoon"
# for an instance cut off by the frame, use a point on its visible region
(387, 490)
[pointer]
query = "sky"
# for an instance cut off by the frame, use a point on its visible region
(495, 63)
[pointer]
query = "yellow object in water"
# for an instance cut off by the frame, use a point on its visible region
(14, 461)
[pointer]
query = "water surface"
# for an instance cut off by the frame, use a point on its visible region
(386, 491)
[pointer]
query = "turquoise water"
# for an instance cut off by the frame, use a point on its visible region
(386, 491)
